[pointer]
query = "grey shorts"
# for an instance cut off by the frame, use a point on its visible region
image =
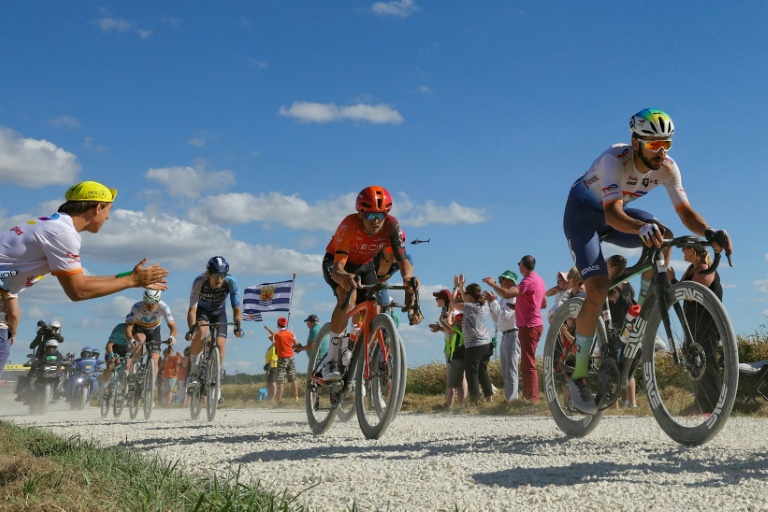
(456, 374)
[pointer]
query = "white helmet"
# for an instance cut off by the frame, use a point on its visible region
(55, 326)
(651, 122)
(152, 295)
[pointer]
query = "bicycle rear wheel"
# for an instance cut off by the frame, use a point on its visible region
(149, 388)
(691, 400)
(320, 414)
(213, 380)
(559, 361)
(118, 394)
(106, 400)
(378, 405)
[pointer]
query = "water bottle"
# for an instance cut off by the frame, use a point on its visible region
(629, 322)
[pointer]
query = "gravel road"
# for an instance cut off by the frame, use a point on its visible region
(444, 461)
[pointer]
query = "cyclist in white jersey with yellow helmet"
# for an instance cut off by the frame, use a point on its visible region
(596, 211)
(142, 325)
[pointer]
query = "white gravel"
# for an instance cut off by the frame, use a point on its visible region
(444, 461)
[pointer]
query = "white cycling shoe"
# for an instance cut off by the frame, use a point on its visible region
(581, 396)
(331, 372)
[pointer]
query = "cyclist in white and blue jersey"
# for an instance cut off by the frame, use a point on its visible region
(142, 326)
(596, 211)
(208, 299)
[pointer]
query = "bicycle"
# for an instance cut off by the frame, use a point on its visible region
(208, 372)
(690, 374)
(141, 382)
(373, 367)
(115, 391)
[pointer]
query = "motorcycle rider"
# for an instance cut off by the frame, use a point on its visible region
(88, 364)
(44, 333)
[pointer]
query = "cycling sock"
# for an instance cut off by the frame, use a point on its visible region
(583, 343)
(645, 284)
(333, 346)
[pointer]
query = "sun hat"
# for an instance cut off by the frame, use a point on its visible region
(90, 191)
(563, 275)
(508, 274)
(312, 318)
(444, 294)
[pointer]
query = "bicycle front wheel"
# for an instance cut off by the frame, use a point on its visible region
(691, 399)
(320, 413)
(119, 391)
(134, 395)
(105, 401)
(213, 387)
(377, 397)
(559, 363)
(149, 388)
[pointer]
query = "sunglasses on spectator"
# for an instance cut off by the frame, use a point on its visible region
(656, 145)
(371, 216)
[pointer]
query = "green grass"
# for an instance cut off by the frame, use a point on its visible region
(39, 471)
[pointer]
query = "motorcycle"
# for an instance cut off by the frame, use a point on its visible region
(82, 382)
(41, 390)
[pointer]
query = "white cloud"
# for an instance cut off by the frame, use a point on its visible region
(258, 64)
(174, 23)
(198, 142)
(189, 182)
(91, 146)
(309, 112)
(273, 208)
(181, 244)
(112, 25)
(424, 89)
(398, 8)
(144, 33)
(454, 213)
(761, 284)
(35, 163)
(65, 122)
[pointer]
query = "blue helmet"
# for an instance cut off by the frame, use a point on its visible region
(86, 352)
(217, 265)
(95, 352)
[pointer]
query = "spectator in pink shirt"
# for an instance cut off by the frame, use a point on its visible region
(531, 298)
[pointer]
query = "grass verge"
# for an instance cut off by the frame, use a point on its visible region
(40, 471)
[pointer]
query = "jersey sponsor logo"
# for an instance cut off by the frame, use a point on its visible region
(610, 188)
(632, 181)
(7, 274)
(590, 181)
(590, 269)
(74, 257)
(17, 230)
(623, 155)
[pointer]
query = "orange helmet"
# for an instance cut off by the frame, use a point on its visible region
(374, 199)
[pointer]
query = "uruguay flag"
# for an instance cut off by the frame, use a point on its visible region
(266, 297)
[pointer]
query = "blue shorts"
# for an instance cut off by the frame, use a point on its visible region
(218, 315)
(585, 227)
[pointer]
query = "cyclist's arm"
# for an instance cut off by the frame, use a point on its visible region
(691, 219)
(129, 330)
(174, 331)
(619, 220)
(191, 316)
(79, 287)
(344, 279)
(12, 313)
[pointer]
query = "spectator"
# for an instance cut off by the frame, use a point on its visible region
(457, 380)
(313, 324)
(170, 368)
(182, 360)
(531, 298)
(9, 320)
(503, 314)
(477, 342)
(703, 325)
(284, 341)
(443, 299)
(559, 292)
(575, 284)
(620, 299)
(271, 370)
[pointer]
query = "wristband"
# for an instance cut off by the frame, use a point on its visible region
(123, 274)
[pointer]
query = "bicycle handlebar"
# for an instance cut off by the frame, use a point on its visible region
(385, 286)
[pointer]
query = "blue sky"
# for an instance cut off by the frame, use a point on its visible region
(246, 128)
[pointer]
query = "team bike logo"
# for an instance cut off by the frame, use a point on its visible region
(689, 294)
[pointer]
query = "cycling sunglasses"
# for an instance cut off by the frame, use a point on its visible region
(371, 216)
(656, 145)
(218, 276)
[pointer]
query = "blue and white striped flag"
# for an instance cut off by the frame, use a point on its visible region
(266, 297)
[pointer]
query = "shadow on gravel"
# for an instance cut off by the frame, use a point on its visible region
(700, 468)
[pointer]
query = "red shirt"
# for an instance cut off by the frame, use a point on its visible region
(352, 244)
(284, 340)
(170, 366)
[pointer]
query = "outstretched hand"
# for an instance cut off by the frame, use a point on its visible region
(152, 276)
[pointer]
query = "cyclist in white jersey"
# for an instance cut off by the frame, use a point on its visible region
(596, 211)
(31, 250)
(142, 326)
